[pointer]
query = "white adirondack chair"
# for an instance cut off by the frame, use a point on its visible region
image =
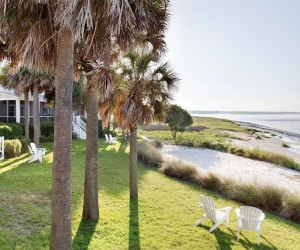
(112, 139)
(1, 147)
(35, 155)
(212, 213)
(34, 148)
(249, 218)
(108, 140)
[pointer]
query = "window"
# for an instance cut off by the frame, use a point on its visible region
(11, 108)
(3, 108)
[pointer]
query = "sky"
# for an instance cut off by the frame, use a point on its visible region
(236, 55)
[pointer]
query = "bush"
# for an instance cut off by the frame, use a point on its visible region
(11, 130)
(211, 181)
(180, 170)
(148, 155)
(12, 148)
(291, 208)
(47, 129)
(24, 144)
(157, 144)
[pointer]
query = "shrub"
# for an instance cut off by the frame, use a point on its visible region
(211, 181)
(285, 145)
(24, 144)
(12, 148)
(180, 170)
(157, 144)
(47, 129)
(291, 208)
(148, 155)
(11, 130)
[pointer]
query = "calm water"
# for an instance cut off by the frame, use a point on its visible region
(285, 122)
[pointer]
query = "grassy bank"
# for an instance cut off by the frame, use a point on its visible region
(212, 136)
(163, 218)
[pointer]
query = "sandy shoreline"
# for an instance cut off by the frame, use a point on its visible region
(270, 140)
(236, 167)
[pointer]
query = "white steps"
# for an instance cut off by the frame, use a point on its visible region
(79, 127)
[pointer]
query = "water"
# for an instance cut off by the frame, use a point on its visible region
(289, 122)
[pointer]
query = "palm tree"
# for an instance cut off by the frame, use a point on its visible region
(146, 89)
(25, 81)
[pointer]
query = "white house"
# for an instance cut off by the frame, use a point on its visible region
(12, 107)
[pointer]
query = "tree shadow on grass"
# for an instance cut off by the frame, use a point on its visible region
(11, 161)
(134, 230)
(226, 239)
(84, 234)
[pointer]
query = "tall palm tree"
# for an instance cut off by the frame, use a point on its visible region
(146, 89)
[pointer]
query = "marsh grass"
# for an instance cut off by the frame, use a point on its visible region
(148, 155)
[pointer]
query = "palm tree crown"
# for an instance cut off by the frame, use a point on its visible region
(145, 89)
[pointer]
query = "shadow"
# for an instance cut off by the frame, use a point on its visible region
(134, 230)
(123, 147)
(227, 239)
(8, 162)
(84, 234)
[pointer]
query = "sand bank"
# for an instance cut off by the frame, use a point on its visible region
(235, 167)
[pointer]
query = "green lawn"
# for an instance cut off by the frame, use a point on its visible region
(163, 218)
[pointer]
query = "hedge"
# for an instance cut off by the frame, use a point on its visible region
(11, 130)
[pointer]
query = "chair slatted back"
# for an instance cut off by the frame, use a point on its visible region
(30, 150)
(110, 137)
(33, 147)
(106, 137)
(209, 207)
(250, 217)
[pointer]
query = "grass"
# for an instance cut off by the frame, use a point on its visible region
(214, 137)
(162, 218)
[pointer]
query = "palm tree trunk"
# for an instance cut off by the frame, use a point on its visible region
(123, 134)
(133, 163)
(61, 236)
(26, 113)
(36, 115)
(90, 205)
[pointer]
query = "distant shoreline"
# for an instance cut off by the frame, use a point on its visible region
(245, 112)
(264, 128)
(252, 125)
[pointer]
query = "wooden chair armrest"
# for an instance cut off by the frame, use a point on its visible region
(262, 217)
(224, 208)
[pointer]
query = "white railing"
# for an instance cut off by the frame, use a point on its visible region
(79, 122)
(79, 127)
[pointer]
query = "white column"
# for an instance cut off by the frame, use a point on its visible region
(18, 110)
